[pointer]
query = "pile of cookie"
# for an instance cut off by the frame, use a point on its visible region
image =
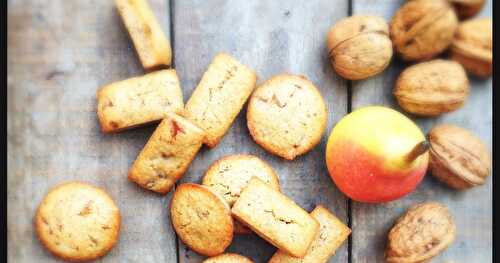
(240, 194)
(204, 220)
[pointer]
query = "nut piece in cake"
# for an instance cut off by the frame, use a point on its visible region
(167, 154)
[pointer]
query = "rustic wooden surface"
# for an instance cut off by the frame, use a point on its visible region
(60, 52)
(472, 209)
(271, 38)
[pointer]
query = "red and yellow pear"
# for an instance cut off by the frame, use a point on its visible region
(376, 154)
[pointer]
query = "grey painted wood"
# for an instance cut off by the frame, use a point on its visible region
(272, 37)
(59, 53)
(471, 209)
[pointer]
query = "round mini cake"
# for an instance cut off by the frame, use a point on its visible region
(228, 258)
(201, 219)
(78, 222)
(287, 116)
(229, 175)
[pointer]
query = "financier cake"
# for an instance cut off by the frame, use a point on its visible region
(150, 42)
(287, 116)
(201, 219)
(167, 154)
(77, 222)
(138, 101)
(229, 175)
(220, 96)
(275, 218)
(331, 235)
(228, 258)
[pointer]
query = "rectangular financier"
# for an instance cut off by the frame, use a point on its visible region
(137, 101)
(331, 235)
(219, 97)
(150, 42)
(167, 154)
(275, 218)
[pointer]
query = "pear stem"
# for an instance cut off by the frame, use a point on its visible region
(418, 150)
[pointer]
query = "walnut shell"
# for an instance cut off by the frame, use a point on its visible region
(458, 158)
(421, 29)
(467, 8)
(432, 88)
(359, 46)
(423, 232)
(472, 46)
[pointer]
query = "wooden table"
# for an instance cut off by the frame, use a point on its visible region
(61, 52)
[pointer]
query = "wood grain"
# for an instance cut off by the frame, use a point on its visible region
(471, 209)
(59, 54)
(271, 37)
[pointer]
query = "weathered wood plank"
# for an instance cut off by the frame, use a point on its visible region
(59, 53)
(471, 209)
(271, 37)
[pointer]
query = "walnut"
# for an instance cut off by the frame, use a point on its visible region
(467, 8)
(458, 158)
(359, 46)
(423, 232)
(421, 29)
(432, 88)
(472, 46)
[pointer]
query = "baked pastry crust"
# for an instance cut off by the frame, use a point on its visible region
(287, 116)
(167, 154)
(77, 222)
(201, 219)
(229, 175)
(151, 44)
(331, 235)
(139, 101)
(275, 218)
(220, 96)
(228, 258)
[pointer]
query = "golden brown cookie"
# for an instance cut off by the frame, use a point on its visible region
(150, 42)
(228, 258)
(77, 222)
(229, 175)
(275, 218)
(201, 219)
(167, 154)
(287, 116)
(331, 235)
(220, 96)
(139, 101)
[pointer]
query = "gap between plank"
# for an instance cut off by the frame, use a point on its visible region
(349, 109)
(349, 201)
(171, 29)
(172, 66)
